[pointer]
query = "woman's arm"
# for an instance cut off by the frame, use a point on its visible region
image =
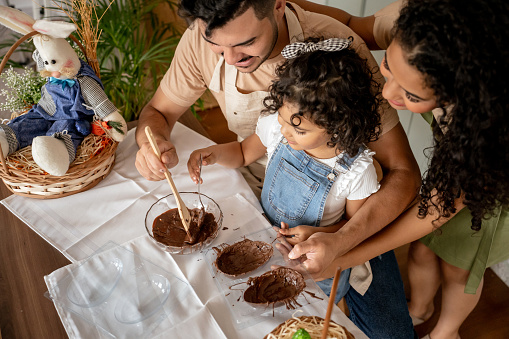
(363, 26)
(407, 228)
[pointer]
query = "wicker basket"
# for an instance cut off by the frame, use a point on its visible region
(84, 173)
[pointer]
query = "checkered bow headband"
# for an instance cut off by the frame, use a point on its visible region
(330, 45)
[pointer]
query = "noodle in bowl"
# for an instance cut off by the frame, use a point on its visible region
(312, 324)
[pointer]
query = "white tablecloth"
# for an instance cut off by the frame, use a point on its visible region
(115, 209)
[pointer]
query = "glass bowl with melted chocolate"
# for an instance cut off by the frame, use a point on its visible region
(164, 226)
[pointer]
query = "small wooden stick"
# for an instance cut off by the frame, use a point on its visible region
(332, 297)
(183, 211)
(4, 162)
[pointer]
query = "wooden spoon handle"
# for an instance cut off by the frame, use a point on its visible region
(332, 298)
(183, 211)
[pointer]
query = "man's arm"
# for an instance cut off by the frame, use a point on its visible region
(399, 187)
(363, 26)
(160, 114)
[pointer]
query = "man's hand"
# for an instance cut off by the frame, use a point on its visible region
(149, 165)
(161, 115)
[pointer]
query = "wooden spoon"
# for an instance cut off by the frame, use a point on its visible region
(332, 298)
(183, 211)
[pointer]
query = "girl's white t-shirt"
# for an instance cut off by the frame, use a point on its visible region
(359, 182)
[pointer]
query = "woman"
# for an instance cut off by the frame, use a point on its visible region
(450, 58)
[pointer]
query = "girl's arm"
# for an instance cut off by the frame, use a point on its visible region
(232, 155)
(301, 233)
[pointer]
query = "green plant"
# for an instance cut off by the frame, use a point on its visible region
(23, 89)
(134, 51)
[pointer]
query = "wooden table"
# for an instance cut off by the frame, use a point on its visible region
(25, 258)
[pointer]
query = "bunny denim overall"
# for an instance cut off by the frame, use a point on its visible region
(294, 191)
(60, 112)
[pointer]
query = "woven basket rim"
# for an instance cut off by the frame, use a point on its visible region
(17, 176)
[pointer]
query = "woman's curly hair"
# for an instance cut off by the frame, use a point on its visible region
(462, 51)
(334, 90)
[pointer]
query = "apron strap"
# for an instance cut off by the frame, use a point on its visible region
(215, 82)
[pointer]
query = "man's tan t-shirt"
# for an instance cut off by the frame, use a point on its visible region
(194, 63)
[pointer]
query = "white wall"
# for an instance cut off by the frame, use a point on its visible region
(31, 7)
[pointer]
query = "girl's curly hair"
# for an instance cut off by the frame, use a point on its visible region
(334, 90)
(462, 51)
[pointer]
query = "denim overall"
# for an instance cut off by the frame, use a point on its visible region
(295, 190)
(70, 114)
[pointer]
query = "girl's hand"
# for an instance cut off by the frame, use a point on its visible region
(193, 164)
(284, 248)
(296, 234)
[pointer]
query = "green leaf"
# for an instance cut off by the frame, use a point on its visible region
(301, 334)
(117, 126)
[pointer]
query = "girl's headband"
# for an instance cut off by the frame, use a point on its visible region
(292, 51)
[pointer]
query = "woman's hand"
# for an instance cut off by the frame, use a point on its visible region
(304, 264)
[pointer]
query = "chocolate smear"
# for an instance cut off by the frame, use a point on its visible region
(169, 230)
(242, 257)
(281, 284)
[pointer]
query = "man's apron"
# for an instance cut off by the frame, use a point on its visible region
(243, 110)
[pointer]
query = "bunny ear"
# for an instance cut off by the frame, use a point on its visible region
(55, 29)
(16, 20)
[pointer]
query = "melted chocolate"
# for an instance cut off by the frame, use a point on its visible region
(169, 230)
(242, 257)
(281, 284)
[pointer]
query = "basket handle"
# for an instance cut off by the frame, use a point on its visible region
(27, 36)
(4, 165)
(4, 62)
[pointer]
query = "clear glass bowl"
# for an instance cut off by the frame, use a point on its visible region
(191, 200)
(94, 281)
(143, 300)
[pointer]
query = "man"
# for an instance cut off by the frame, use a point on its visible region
(232, 47)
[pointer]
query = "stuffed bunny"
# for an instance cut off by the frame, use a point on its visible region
(73, 94)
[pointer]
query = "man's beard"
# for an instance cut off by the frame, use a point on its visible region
(275, 35)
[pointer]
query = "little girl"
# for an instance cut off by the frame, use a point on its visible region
(320, 113)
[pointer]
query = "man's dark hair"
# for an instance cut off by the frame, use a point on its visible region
(218, 13)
